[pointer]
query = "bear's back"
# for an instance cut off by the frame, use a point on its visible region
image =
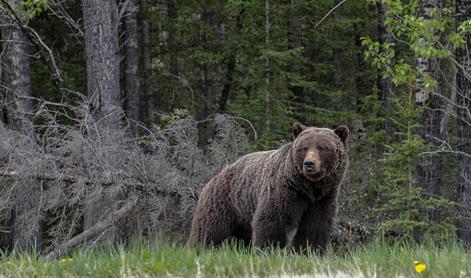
(250, 176)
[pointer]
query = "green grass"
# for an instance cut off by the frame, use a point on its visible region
(162, 258)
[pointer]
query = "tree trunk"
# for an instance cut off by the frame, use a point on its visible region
(101, 43)
(384, 85)
(267, 69)
(206, 106)
(131, 76)
(427, 169)
(228, 83)
(230, 68)
(361, 83)
(172, 44)
(147, 65)
(206, 102)
(26, 214)
(463, 12)
(294, 42)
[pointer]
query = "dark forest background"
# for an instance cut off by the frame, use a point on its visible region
(115, 113)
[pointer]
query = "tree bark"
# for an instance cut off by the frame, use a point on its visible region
(27, 211)
(131, 76)
(384, 85)
(102, 54)
(463, 12)
(427, 169)
(147, 65)
(101, 43)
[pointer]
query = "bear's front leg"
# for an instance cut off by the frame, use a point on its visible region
(274, 218)
(315, 227)
(269, 233)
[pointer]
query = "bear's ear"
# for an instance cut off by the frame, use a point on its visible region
(342, 132)
(297, 128)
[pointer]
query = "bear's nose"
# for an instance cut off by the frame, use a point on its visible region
(309, 163)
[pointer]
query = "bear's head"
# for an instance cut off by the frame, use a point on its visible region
(318, 152)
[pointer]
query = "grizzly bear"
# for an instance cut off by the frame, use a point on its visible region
(273, 197)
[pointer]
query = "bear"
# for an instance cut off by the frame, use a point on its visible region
(277, 197)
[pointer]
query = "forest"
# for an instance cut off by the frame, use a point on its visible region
(114, 114)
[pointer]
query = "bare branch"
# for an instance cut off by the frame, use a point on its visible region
(328, 13)
(62, 14)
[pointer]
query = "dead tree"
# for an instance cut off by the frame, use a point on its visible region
(93, 231)
(27, 212)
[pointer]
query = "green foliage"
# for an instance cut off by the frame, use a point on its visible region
(32, 8)
(319, 81)
(380, 55)
(405, 205)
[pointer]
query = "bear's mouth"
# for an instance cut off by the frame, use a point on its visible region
(313, 174)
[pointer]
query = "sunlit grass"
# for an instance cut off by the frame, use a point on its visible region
(163, 258)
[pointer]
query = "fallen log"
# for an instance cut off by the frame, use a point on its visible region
(96, 229)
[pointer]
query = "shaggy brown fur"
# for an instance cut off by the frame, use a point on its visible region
(269, 197)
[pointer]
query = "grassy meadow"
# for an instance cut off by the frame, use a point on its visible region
(165, 259)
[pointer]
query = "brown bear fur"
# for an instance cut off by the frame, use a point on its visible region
(271, 196)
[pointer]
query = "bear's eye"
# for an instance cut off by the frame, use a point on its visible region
(322, 149)
(303, 149)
